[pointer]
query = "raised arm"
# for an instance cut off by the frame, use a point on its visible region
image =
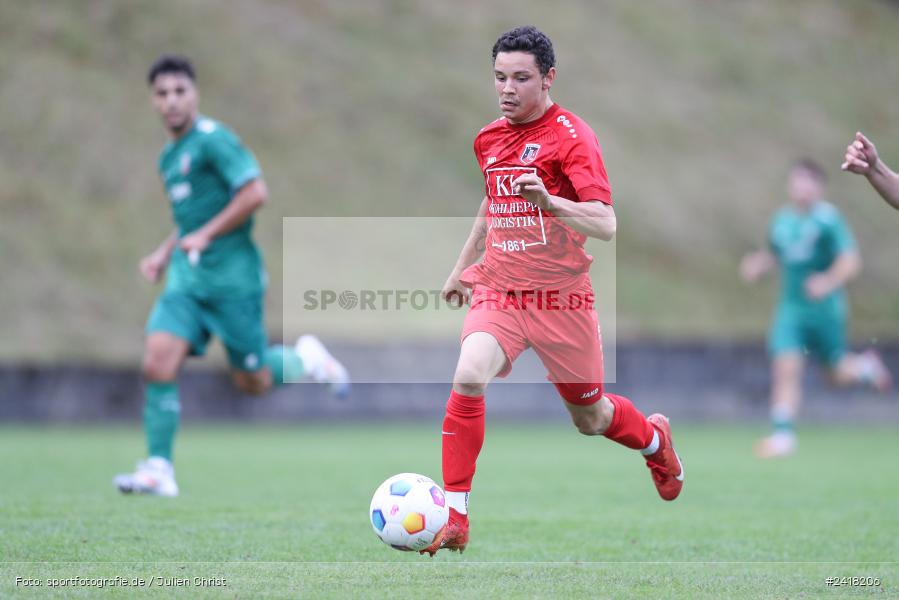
(862, 159)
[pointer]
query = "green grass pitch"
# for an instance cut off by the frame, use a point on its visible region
(282, 513)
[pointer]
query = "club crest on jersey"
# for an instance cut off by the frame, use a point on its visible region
(530, 153)
(184, 166)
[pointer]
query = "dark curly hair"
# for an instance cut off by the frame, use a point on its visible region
(531, 40)
(171, 63)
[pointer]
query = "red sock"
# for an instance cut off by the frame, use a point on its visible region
(463, 436)
(629, 427)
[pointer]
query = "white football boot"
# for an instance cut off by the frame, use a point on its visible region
(154, 476)
(776, 445)
(323, 367)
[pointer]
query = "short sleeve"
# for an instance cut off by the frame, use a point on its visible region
(231, 159)
(476, 146)
(582, 165)
(841, 234)
(769, 239)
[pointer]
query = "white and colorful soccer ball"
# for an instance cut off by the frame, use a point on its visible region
(408, 511)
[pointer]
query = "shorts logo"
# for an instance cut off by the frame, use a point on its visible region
(530, 153)
(251, 361)
(184, 166)
(590, 394)
(491, 160)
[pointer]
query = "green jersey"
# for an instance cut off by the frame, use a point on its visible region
(202, 171)
(806, 243)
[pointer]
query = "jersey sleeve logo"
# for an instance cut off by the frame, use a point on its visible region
(529, 154)
(206, 125)
(567, 123)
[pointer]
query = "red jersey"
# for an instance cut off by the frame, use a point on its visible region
(529, 248)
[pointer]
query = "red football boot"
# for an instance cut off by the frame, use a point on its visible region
(665, 465)
(453, 536)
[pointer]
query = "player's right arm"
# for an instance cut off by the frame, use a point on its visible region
(756, 265)
(153, 265)
(453, 291)
(862, 158)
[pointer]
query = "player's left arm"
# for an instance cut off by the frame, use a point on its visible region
(244, 203)
(593, 218)
(238, 168)
(581, 162)
(844, 269)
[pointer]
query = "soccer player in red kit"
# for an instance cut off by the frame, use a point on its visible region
(546, 192)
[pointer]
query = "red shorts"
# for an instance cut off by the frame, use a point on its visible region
(561, 327)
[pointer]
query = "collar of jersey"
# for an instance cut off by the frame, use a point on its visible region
(190, 132)
(549, 114)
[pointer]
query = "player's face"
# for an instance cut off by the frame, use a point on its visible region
(175, 99)
(804, 188)
(522, 90)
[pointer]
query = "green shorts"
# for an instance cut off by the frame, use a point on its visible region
(238, 322)
(820, 333)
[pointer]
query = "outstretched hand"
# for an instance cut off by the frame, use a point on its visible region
(861, 155)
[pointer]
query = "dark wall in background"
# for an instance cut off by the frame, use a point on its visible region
(692, 382)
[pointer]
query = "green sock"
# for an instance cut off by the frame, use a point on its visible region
(161, 412)
(284, 363)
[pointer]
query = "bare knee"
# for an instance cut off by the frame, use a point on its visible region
(469, 381)
(844, 372)
(159, 366)
(163, 355)
(254, 383)
(837, 378)
(594, 419)
(480, 359)
(589, 425)
(787, 368)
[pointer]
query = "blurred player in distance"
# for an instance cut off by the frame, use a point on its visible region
(812, 245)
(546, 192)
(216, 279)
(862, 159)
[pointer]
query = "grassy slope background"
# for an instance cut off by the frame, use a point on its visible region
(369, 109)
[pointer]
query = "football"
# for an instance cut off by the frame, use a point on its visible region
(408, 511)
